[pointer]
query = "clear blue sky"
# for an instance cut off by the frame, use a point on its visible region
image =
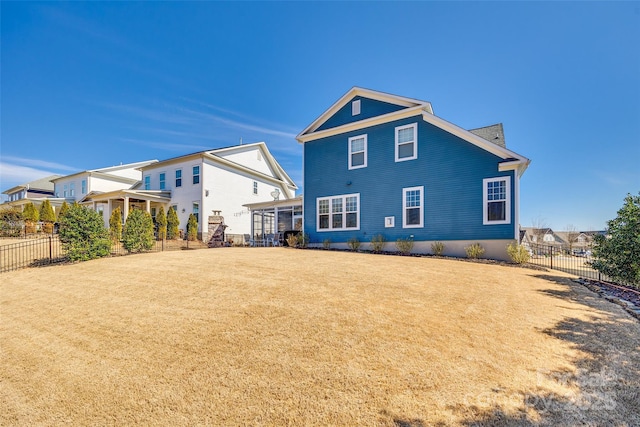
(90, 85)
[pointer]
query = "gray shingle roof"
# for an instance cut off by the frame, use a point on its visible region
(493, 133)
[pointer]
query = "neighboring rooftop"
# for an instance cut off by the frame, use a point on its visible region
(492, 133)
(38, 184)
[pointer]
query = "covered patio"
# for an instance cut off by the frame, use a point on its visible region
(146, 200)
(273, 221)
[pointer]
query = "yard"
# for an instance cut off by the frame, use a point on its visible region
(278, 336)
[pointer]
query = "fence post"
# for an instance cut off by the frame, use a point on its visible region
(50, 250)
(551, 251)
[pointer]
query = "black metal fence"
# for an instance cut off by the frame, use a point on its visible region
(574, 262)
(47, 250)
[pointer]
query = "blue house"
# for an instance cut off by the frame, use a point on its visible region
(381, 164)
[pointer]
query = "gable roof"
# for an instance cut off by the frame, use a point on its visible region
(44, 184)
(108, 172)
(412, 107)
(217, 155)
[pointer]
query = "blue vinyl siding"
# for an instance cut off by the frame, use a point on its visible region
(368, 108)
(450, 169)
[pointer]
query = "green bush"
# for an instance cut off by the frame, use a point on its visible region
(437, 248)
(31, 216)
(618, 253)
(192, 228)
(161, 220)
(63, 209)
(474, 251)
(115, 225)
(326, 243)
(353, 243)
(303, 240)
(83, 234)
(377, 243)
(404, 246)
(10, 222)
(518, 253)
(172, 224)
(137, 235)
(47, 216)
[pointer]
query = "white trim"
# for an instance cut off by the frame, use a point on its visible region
(344, 212)
(350, 154)
(405, 207)
(516, 209)
(365, 93)
(507, 200)
(414, 142)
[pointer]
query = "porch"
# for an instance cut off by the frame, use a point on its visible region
(272, 221)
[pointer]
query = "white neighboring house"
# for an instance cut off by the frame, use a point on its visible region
(32, 192)
(220, 180)
(84, 187)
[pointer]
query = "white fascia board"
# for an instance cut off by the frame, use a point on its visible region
(242, 168)
(366, 93)
(499, 151)
(361, 124)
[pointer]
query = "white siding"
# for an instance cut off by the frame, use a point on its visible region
(252, 158)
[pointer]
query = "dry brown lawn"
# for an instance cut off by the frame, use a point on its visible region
(277, 336)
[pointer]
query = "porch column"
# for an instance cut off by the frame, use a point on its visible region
(148, 206)
(125, 214)
(110, 207)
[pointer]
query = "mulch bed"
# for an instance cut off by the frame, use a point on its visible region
(624, 296)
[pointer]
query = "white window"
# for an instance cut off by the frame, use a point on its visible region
(358, 152)
(196, 174)
(163, 177)
(147, 182)
(65, 192)
(338, 212)
(72, 189)
(178, 178)
(84, 186)
(548, 237)
(496, 196)
(412, 207)
(255, 187)
(355, 107)
(406, 142)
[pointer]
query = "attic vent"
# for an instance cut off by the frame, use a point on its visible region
(355, 108)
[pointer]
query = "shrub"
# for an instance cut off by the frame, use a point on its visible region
(353, 243)
(10, 222)
(474, 251)
(437, 248)
(30, 215)
(47, 216)
(172, 224)
(115, 225)
(63, 209)
(137, 235)
(404, 246)
(618, 254)
(377, 243)
(303, 240)
(83, 234)
(192, 228)
(326, 243)
(161, 220)
(292, 240)
(518, 253)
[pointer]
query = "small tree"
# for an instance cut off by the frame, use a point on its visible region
(172, 224)
(63, 209)
(192, 228)
(572, 236)
(618, 254)
(47, 216)
(161, 220)
(30, 215)
(115, 225)
(137, 235)
(10, 222)
(83, 234)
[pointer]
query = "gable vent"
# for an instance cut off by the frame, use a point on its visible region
(355, 107)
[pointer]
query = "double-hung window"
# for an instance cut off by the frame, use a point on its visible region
(406, 142)
(338, 212)
(83, 184)
(65, 192)
(147, 182)
(496, 197)
(72, 189)
(196, 174)
(255, 187)
(196, 210)
(163, 177)
(412, 207)
(358, 152)
(178, 178)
